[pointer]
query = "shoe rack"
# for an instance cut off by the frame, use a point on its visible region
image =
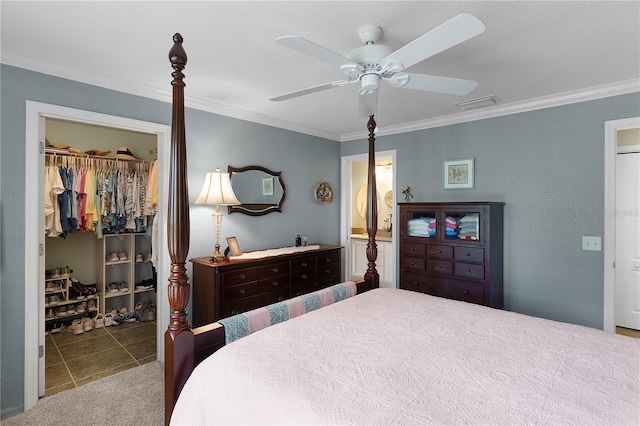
(62, 304)
(126, 274)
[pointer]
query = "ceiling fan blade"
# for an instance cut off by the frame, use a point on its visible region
(368, 103)
(309, 90)
(455, 31)
(308, 48)
(433, 83)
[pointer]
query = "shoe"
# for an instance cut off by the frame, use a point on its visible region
(112, 257)
(98, 321)
(53, 287)
(122, 255)
(71, 309)
(64, 272)
(91, 305)
(61, 311)
(123, 287)
(139, 308)
(76, 327)
(131, 317)
(123, 310)
(87, 324)
(108, 320)
(55, 273)
(54, 300)
(50, 314)
(57, 328)
(139, 258)
(81, 308)
(147, 257)
(119, 319)
(112, 287)
(113, 311)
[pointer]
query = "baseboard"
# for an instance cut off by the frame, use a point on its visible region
(5, 413)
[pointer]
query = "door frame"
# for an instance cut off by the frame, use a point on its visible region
(345, 207)
(611, 129)
(34, 235)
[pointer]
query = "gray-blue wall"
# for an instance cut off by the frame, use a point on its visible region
(547, 166)
(212, 141)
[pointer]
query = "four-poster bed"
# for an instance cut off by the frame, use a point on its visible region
(386, 355)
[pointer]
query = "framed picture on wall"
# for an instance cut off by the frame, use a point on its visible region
(267, 186)
(458, 173)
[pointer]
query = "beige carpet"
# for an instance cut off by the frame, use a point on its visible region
(131, 397)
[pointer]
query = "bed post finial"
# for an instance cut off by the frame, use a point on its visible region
(371, 277)
(178, 339)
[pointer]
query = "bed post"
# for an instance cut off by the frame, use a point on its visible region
(371, 277)
(178, 339)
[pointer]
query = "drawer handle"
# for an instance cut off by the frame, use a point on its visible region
(280, 299)
(304, 276)
(466, 292)
(242, 291)
(468, 271)
(327, 260)
(274, 270)
(467, 254)
(435, 252)
(413, 263)
(242, 276)
(304, 264)
(327, 271)
(438, 267)
(416, 283)
(234, 312)
(413, 249)
(275, 283)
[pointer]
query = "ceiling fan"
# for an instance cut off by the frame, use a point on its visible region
(372, 62)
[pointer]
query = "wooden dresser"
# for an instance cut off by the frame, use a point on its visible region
(229, 287)
(453, 250)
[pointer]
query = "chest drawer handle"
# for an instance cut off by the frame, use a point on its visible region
(304, 264)
(234, 312)
(416, 283)
(274, 270)
(242, 276)
(280, 299)
(466, 292)
(303, 276)
(413, 263)
(468, 271)
(275, 283)
(242, 291)
(467, 254)
(327, 271)
(435, 252)
(413, 249)
(438, 267)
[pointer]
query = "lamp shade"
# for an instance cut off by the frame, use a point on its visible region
(217, 190)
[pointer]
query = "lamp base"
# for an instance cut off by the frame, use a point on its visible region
(216, 256)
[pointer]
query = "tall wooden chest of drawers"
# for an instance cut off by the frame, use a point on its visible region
(226, 288)
(453, 250)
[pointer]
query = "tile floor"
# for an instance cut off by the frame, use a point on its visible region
(74, 360)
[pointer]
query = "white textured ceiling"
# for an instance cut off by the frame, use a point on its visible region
(531, 54)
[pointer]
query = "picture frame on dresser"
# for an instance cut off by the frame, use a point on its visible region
(234, 247)
(458, 173)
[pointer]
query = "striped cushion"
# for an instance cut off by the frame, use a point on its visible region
(246, 323)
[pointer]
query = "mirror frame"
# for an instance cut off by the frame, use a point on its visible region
(256, 209)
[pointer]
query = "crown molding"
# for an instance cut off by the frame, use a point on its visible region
(597, 92)
(588, 94)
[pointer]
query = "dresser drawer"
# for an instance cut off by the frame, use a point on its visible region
(413, 249)
(273, 270)
(303, 263)
(250, 303)
(439, 252)
(414, 263)
(468, 254)
(273, 283)
(440, 267)
(303, 278)
(469, 270)
(239, 291)
(461, 290)
(418, 282)
(327, 259)
(240, 276)
(326, 273)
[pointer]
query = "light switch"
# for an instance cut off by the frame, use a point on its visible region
(591, 243)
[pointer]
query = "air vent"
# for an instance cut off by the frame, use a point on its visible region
(477, 103)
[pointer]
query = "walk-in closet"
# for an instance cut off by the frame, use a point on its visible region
(100, 201)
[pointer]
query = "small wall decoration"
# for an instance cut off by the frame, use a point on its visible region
(388, 199)
(407, 195)
(267, 186)
(323, 192)
(458, 174)
(234, 247)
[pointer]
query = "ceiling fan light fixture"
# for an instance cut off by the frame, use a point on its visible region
(477, 103)
(370, 83)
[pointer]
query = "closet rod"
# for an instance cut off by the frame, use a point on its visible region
(50, 151)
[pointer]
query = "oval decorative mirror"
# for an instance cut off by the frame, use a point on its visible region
(260, 190)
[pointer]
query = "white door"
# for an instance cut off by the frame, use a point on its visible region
(627, 246)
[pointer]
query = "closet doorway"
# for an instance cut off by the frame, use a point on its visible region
(37, 115)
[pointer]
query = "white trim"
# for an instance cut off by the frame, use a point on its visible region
(108, 82)
(345, 197)
(611, 129)
(34, 176)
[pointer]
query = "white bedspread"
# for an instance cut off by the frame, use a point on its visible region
(391, 356)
